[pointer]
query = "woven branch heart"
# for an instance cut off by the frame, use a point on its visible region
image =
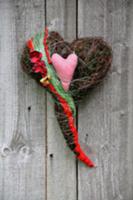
(46, 57)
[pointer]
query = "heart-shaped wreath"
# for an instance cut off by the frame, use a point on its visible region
(67, 71)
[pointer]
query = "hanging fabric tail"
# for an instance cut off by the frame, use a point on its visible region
(70, 133)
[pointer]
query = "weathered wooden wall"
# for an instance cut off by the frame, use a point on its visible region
(35, 163)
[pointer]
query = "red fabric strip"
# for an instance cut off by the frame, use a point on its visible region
(46, 47)
(30, 45)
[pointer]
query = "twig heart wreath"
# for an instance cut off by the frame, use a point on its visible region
(67, 71)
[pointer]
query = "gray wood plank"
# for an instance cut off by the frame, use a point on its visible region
(61, 172)
(129, 44)
(105, 118)
(22, 106)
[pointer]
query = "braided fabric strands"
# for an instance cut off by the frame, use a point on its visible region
(94, 60)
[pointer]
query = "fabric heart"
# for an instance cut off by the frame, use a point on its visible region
(65, 68)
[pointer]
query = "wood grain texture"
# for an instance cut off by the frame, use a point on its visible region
(61, 168)
(22, 106)
(104, 124)
(35, 163)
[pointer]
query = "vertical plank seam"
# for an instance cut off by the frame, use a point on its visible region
(76, 19)
(46, 117)
(77, 172)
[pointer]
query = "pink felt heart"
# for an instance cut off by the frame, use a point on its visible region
(65, 68)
